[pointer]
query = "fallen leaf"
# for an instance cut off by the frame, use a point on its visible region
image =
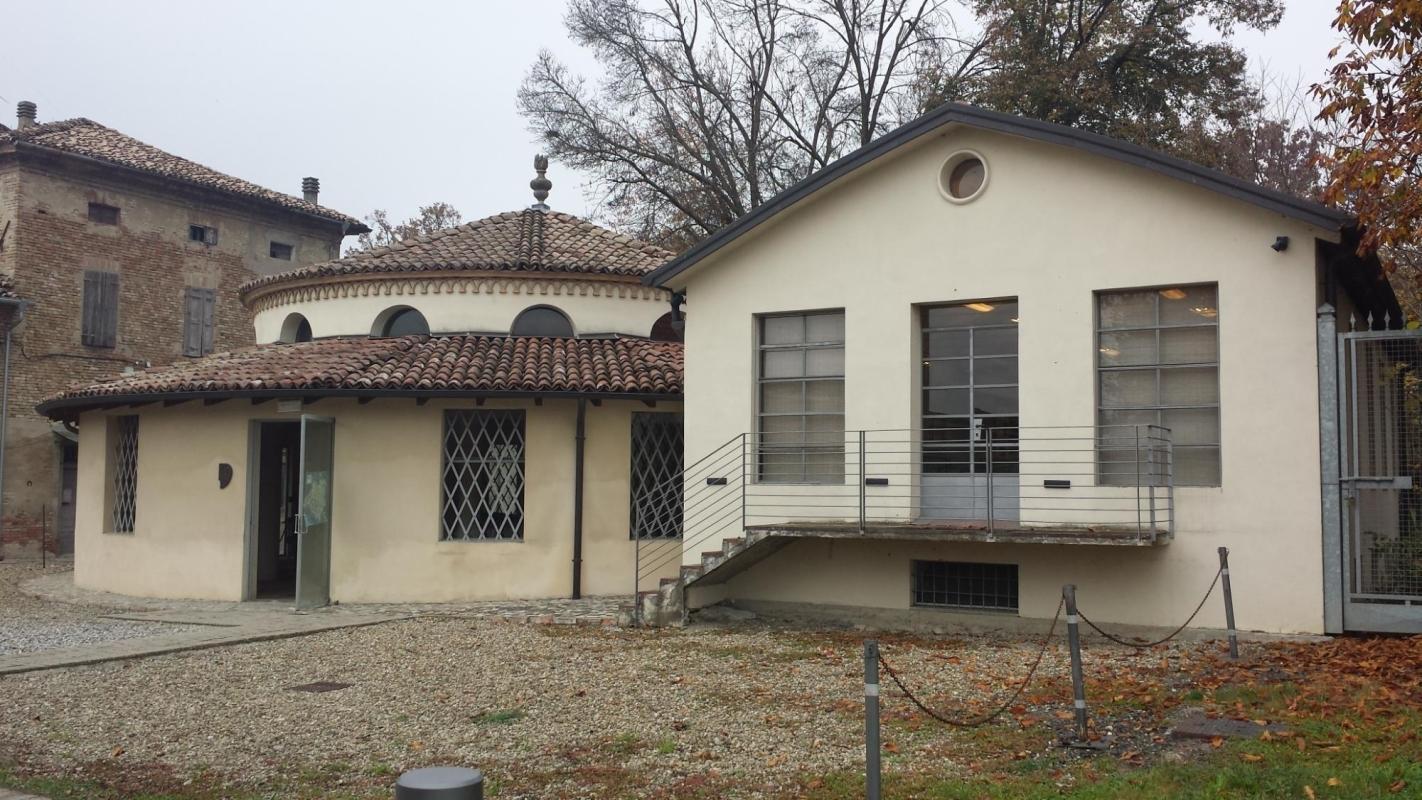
(1397, 786)
(1252, 758)
(1334, 782)
(118, 751)
(1217, 742)
(1308, 790)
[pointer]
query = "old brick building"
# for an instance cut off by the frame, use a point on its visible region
(123, 256)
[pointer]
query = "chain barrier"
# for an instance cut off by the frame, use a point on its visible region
(973, 722)
(1173, 634)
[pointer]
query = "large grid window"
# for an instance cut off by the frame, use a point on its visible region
(801, 377)
(124, 501)
(483, 475)
(1158, 364)
(656, 475)
(962, 584)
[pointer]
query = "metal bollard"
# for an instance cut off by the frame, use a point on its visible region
(1229, 604)
(1078, 684)
(440, 783)
(871, 719)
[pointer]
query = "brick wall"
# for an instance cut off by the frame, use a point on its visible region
(52, 243)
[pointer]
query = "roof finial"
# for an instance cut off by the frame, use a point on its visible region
(541, 184)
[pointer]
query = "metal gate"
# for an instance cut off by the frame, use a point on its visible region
(1380, 479)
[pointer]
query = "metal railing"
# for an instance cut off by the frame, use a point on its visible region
(1112, 482)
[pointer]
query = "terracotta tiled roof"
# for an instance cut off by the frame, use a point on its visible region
(84, 137)
(414, 364)
(516, 241)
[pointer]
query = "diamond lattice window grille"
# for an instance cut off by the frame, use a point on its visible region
(483, 475)
(656, 475)
(125, 473)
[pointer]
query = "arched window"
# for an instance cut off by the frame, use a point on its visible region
(400, 321)
(664, 330)
(542, 321)
(295, 328)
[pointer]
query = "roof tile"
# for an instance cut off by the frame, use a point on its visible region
(465, 363)
(87, 138)
(517, 241)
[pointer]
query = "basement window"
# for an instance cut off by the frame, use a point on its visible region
(102, 214)
(202, 234)
(962, 584)
(281, 251)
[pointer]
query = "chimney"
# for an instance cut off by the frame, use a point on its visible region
(310, 188)
(25, 114)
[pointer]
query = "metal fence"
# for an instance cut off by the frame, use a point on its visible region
(1108, 481)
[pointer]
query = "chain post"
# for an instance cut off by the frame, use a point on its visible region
(1229, 604)
(1078, 684)
(871, 719)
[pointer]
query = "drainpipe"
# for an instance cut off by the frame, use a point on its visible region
(581, 439)
(17, 313)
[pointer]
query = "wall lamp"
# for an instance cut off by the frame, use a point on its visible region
(1281, 243)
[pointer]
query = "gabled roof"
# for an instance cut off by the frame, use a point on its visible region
(88, 139)
(956, 113)
(413, 366)
(531, 240)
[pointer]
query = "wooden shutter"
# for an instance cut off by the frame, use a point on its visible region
(100, 314)
(199, 321)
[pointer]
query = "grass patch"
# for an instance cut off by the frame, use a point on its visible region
(503, 717)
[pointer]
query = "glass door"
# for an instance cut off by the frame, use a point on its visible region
(313, 548)
(969, 413)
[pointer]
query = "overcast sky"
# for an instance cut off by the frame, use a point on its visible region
(391, 104)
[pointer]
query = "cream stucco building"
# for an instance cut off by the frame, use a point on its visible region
(490, 412)
(984, 357)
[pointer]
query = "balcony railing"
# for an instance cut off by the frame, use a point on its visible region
(1099, 484)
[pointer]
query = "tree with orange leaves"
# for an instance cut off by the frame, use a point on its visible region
(1374, 97)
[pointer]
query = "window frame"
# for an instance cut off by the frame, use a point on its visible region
(272, 246)
(122, 489)
(98, 213)
(1012, 593)
(482, 534)
(804, 447)
(99, 309)
(541, 307)
(670, 510)
(205, 234)
(199, 334)
(1157, 368)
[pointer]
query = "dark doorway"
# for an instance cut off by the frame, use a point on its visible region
(68, 480)
(278, 482)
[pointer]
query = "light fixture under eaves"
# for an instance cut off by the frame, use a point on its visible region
(1173, 294)
(1207, 312)
(983, 307)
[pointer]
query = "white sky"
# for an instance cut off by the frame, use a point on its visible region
(392, 105)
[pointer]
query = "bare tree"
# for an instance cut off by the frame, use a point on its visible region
(383, 232)
(710, 107)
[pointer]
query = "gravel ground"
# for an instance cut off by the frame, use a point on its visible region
(28, 624)
(546, 711)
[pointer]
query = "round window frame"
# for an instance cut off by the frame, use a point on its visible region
(945, 176)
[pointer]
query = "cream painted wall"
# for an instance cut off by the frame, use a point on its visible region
(593, 307)
(190, 535)
(1053, 226)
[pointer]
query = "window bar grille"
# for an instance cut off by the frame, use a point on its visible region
(126, 474)
(657, 482)
(483, 496)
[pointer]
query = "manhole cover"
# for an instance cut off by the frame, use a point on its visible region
(1198, 726)
(318, 686)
